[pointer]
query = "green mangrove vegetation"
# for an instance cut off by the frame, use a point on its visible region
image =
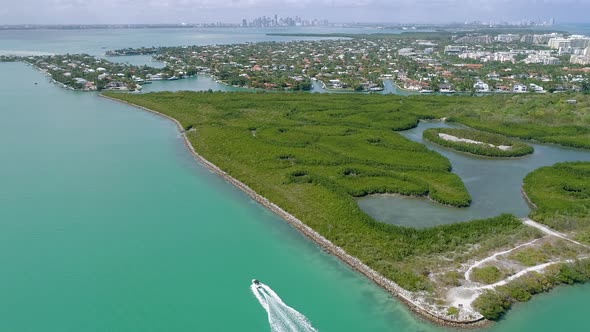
(312, 154)
(550, 118)
(477, 142)
(562, 195)
(494, 303)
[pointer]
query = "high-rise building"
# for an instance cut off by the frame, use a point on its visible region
(507, 38)
(576, 42)
(528, 39)
(581, 42)
(558, 43)
(580, 59)
(478, 39)
(276, 21)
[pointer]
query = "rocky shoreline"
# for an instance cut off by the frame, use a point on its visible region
(412, 300)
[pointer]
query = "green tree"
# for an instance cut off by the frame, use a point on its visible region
(492, 305)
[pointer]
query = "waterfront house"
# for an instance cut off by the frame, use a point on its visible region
(519, 88)
(89, 86)
(480, 86)
(116, 86)
(537, 88)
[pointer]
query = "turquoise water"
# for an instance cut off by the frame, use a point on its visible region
(108, 224)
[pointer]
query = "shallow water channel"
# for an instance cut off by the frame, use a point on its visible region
(493, 183)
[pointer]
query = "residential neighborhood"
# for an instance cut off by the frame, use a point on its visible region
(419, 62)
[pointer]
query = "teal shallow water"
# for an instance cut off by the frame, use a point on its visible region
(107, 223)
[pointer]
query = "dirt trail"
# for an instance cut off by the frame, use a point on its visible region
(493, 257)
(464, 296)
(549, 231)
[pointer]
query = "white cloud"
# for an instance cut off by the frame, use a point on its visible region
(170, 11)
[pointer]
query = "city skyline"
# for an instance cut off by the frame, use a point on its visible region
(362, 11)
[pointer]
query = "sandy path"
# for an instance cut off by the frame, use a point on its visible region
(452, 138)
(536, 268)
(493, 257)
(464, 296)
(549, 231)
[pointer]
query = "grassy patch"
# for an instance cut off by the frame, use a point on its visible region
(451, 278)
(530, 257)
(487, 275)
(453, 311)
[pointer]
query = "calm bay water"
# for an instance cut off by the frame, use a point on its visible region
(575, 28)
(98, 41)
(388, 88)
(196, 83)
(108, 224)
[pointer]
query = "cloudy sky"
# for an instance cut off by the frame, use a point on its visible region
(201, 11)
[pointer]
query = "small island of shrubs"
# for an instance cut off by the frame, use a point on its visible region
(477, 142)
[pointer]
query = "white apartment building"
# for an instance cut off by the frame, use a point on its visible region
(507, 38)
(543, 58)
(480, 86)
(580, 59)
(575, 41)
(519, 88)
(557, 43)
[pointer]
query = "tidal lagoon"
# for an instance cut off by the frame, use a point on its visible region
(494, 184)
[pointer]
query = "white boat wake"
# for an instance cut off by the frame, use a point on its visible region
(281, 317)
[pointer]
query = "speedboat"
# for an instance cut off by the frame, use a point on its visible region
(256, 283)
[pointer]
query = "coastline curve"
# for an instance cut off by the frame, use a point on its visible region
(413, 302)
